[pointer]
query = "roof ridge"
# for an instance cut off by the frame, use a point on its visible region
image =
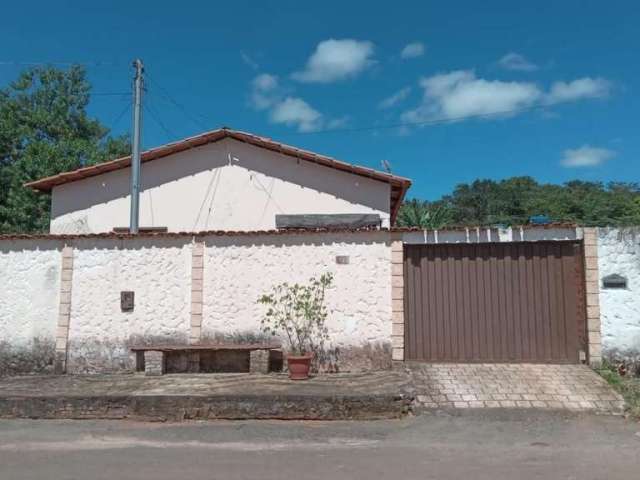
(399, 185)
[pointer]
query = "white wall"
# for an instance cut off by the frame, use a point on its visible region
(493, 234)
(157, 270)
(228, 185)
(30, 291)
(619, 253)
(237, 271)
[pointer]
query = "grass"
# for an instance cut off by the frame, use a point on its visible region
(628, 386)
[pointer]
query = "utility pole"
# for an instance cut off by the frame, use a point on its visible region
(138, 85)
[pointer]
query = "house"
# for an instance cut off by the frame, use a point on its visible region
(223, 180)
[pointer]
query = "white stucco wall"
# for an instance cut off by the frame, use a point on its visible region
(237, 271)
(228, 185)
(30, 290)
(157, 270)
(619, 253)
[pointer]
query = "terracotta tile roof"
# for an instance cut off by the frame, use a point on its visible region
(399, 185)
(254, 233)
(210, 233)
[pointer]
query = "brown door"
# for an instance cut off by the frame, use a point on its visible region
(498, 302)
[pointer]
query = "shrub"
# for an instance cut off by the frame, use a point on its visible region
(297, 313)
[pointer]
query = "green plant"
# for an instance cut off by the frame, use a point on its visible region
(416, 213)
(298, 314)
(628, 386)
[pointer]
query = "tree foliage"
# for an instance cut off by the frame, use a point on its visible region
(417, 213)
(45, 130)
(515, 200)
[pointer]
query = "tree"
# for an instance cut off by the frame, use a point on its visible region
(514, 201)
(45, 130)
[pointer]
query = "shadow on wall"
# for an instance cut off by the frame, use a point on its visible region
(115, 185)
(35, 358)
(173, 241)
(93, 355)
(293, 239)
(354, 358)
(629, 358)
(25, 244)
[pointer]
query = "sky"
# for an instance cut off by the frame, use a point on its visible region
(444, 92)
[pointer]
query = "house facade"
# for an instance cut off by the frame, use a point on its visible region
(221, 180)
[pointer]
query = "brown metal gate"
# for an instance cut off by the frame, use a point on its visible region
(498, 302)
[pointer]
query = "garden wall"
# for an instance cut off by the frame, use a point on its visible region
(29, 297)
(82, 314)
(619, 254)
(61, 295)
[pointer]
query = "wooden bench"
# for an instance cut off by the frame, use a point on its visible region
(155, 356)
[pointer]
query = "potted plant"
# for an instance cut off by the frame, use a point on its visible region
(297, 313)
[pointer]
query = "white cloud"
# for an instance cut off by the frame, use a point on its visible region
(578, 89)
(515, 61)
(335, 60)
(460, 94)
(339, 122)
(265, 82)
(413, 50)
(293, 111)
(396, 98)
(267, 94)
(586, 156)
(264, 91)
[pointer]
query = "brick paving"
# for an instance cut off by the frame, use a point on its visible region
(567, 387)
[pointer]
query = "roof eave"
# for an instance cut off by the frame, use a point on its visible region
(47, 184)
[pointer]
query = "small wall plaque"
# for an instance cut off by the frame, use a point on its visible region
(342, 259)
(126, 301)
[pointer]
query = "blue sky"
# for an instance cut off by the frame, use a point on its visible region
(484, 90)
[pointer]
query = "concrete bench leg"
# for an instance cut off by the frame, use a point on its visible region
(153, 363)
(193, 362)
(259, 361)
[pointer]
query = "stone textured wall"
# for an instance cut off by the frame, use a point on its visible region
(619, 253)
(156, 270)
(237, 271)
(28, 305)
(95, 335)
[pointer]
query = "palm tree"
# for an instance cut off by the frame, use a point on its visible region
(422, 214)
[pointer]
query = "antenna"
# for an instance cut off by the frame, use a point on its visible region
(386, 166)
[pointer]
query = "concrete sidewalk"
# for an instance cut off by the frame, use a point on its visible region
(415, 388)
(207, 396)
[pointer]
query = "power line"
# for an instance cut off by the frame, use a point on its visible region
(156, 117)
(110, 94)
(433, 121)
(429, 122)
(178, 105)
(117, 119)
(59, 64)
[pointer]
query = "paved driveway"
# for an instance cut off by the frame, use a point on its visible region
(573, 387)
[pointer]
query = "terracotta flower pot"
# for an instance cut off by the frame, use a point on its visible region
(299, 366)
